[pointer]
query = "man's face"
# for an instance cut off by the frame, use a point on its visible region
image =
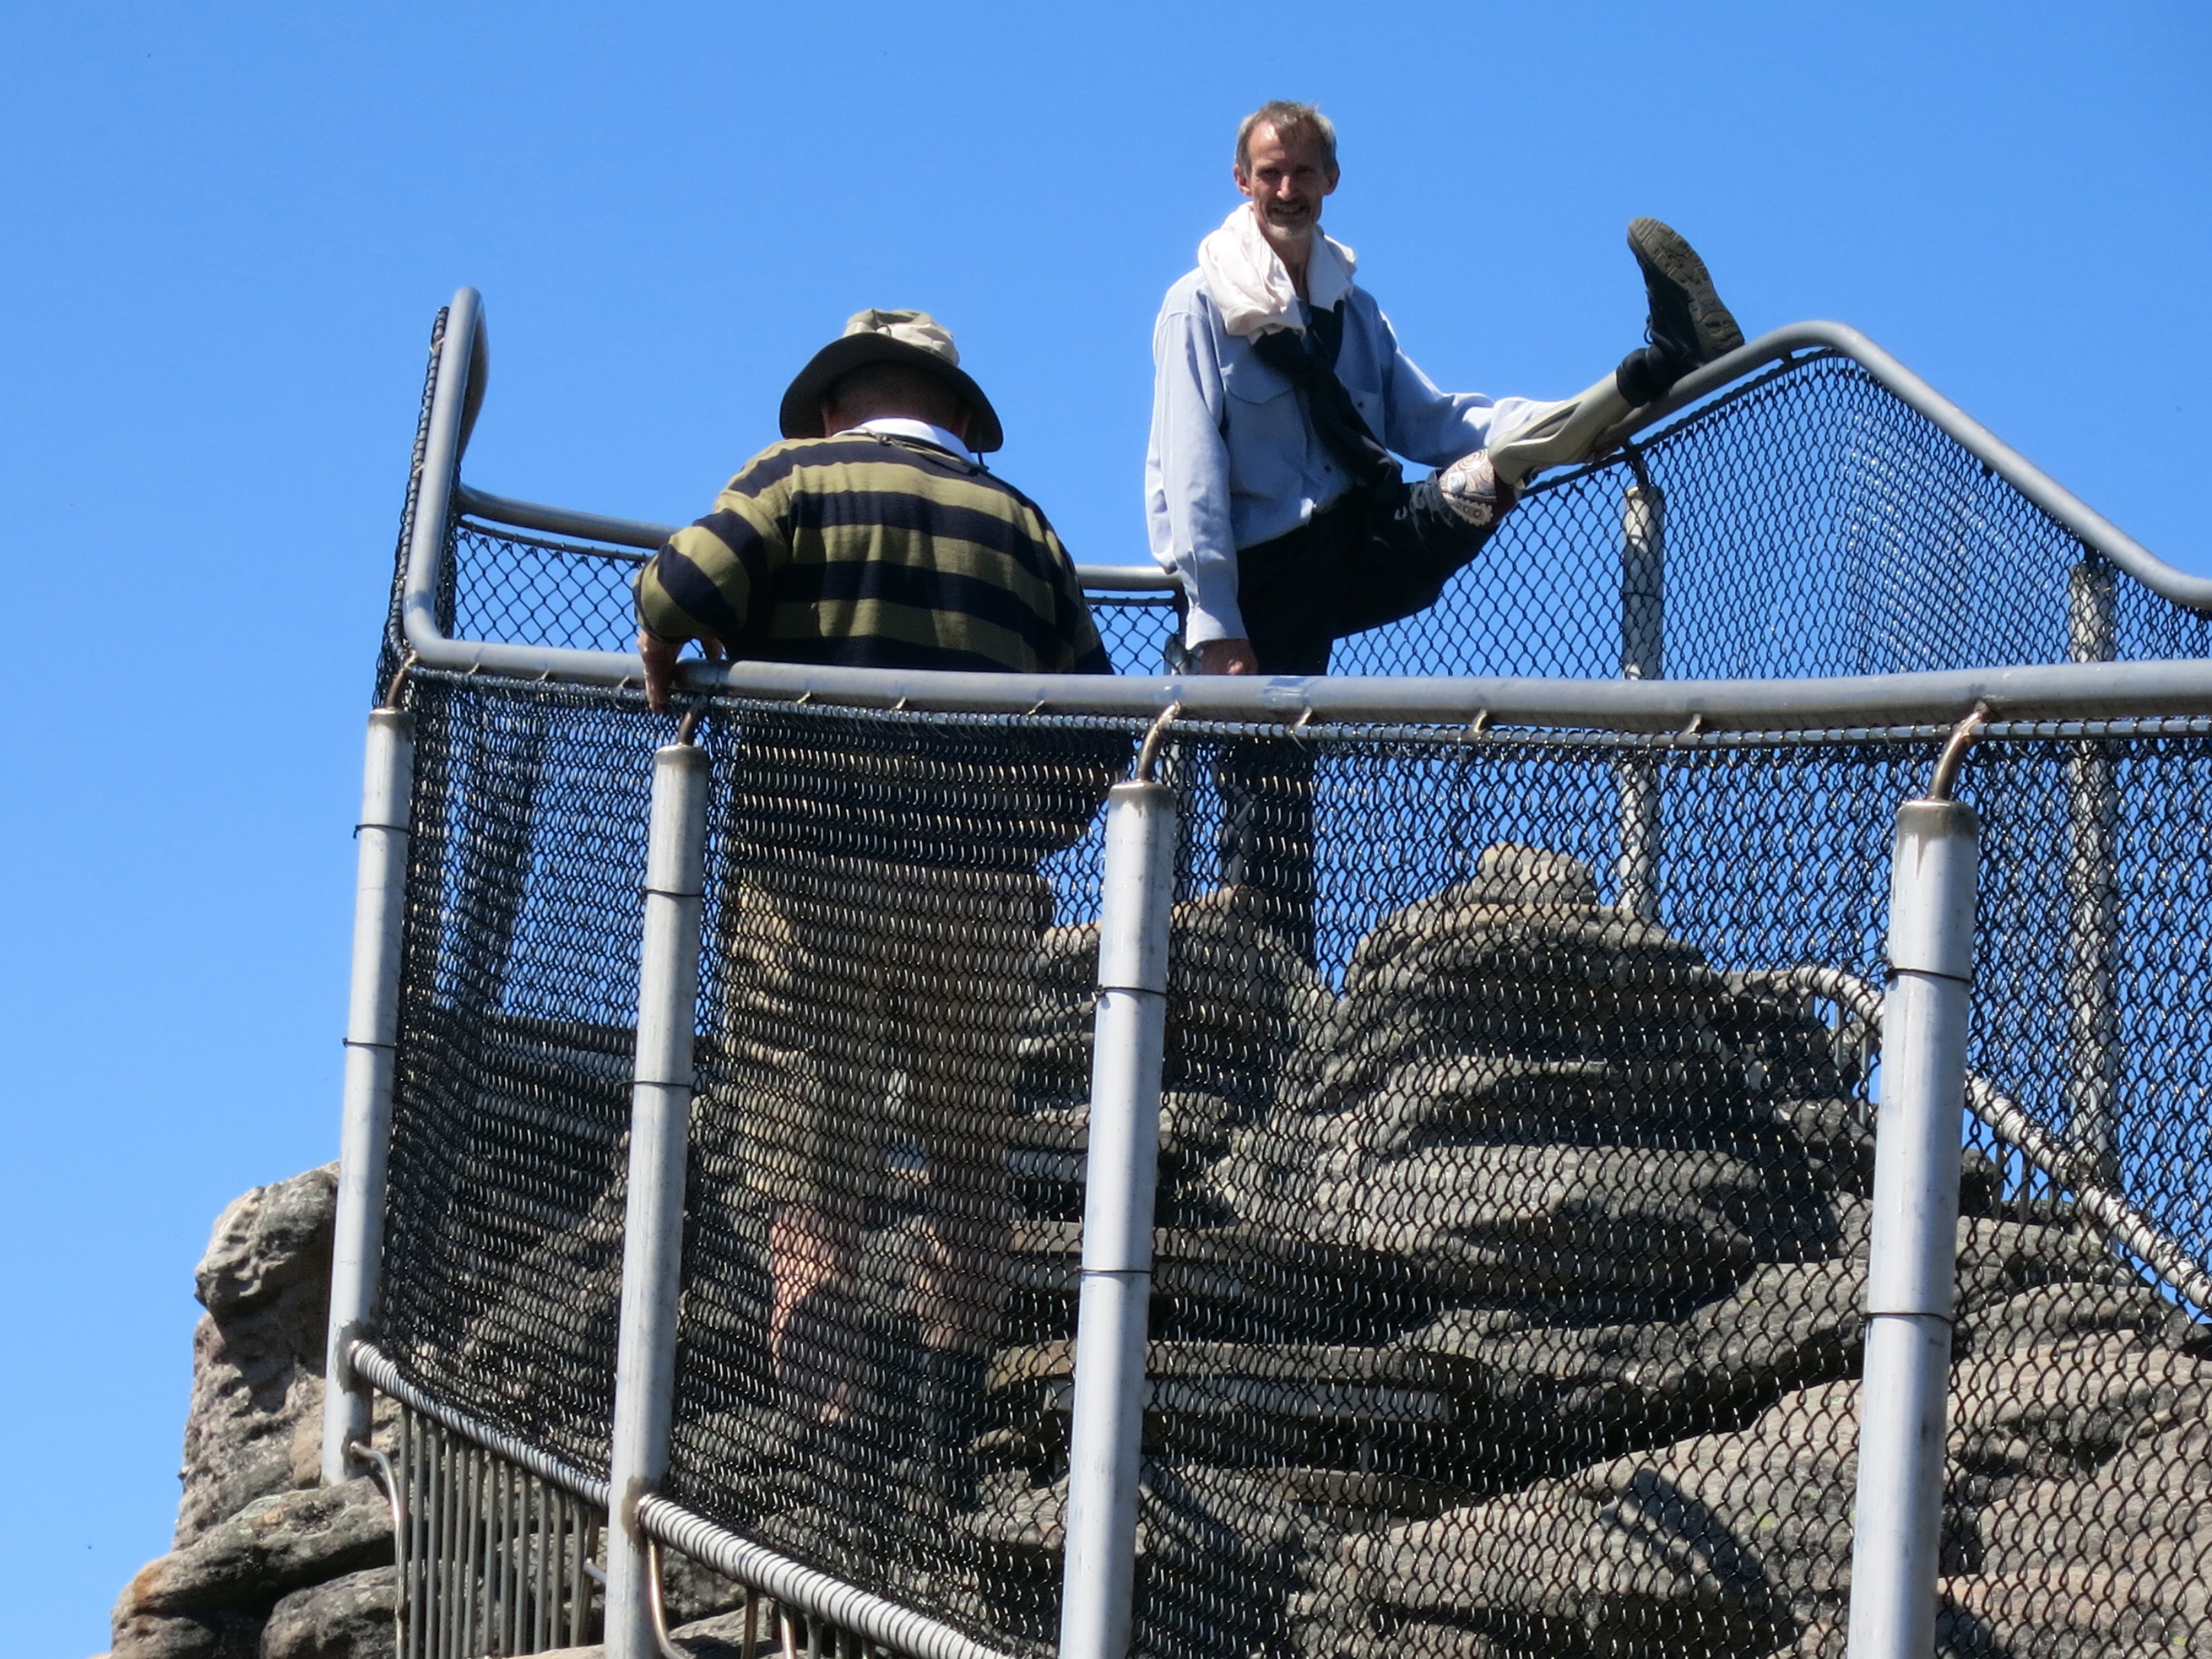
(1286, 183)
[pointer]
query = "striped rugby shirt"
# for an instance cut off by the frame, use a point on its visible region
(872, 551)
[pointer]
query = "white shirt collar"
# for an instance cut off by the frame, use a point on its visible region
(903, 426)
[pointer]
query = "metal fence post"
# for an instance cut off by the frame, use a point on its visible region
(652, 1235)
(372, 1029)
(1098, 1571)
(1912, 1264)
(1642, 657)
(2091, 894)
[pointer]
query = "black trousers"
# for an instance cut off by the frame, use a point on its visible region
(1374, 557)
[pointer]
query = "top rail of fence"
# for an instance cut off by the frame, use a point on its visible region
(2077, 690)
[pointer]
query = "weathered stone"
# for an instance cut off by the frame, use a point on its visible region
(253, 1427)
(2090, 1453)
(1520, 1087)
(188, 1636)
(268, 1239)
(1509, 1306)
(690, 1590)
(257, 1386)
(2053, 1312)
(274, 1545)
(1612, 1387)
(258, 1355)
(350, 1617)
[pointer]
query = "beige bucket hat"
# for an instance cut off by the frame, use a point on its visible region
(914, 337)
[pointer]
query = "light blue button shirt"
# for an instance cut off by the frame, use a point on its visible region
(1234, 461)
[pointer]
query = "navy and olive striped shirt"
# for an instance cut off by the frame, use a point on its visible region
(870, 551)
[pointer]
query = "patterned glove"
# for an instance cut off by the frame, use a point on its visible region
(1472, 489)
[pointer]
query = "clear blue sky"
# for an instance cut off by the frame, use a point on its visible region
(228, 227)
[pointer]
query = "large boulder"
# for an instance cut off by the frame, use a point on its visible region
(1522, 1090)
(2081, 1508)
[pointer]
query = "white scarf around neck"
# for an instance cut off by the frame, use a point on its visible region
(1250, 285)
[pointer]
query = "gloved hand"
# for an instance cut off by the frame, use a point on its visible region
(1472, 488)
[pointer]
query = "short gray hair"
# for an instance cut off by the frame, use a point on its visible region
(1289, 120)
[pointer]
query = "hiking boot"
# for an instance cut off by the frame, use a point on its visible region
(1689, 326)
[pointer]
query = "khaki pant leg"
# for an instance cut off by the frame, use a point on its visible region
(974, 938)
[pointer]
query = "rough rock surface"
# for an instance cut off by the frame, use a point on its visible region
(258, 1542)
(1509, 1304)
(257, 1402)
(269, 1565)
(346, 1618)
(237, 1570)
(1506, 1303)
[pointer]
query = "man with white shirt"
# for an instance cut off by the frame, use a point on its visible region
(1281, 395)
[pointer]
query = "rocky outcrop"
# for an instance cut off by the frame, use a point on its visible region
(268, 1564)
(255, 1420)
(1509, 1303)
(230, 1577)
(346, 1618)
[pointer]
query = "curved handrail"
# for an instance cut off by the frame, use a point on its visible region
(441, 466)
(2168, 1259)
(2099, 691)
(2092, 528)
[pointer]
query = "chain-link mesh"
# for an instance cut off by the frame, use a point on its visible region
(1513, 1174)
(1516, 1146)
(1509, 1296)
(518, 1007)
(884, 896)
(1813, 525)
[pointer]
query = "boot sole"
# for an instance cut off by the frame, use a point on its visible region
(1662, 248)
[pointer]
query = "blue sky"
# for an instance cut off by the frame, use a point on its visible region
(229, 227)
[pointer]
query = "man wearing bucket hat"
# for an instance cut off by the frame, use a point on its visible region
(872, 537)
(882, 908)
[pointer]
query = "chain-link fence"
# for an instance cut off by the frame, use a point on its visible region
(1814, 524)
(1512, 1241)
(1520, 1089)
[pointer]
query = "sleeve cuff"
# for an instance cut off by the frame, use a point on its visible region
(1213, 614)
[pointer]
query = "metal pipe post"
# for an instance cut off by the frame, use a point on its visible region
(372, 1029)
(2092, 895)
(652, 1235)
(1098, 1572)
(1642, 657)
(1912, 1265)
(451, 417)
